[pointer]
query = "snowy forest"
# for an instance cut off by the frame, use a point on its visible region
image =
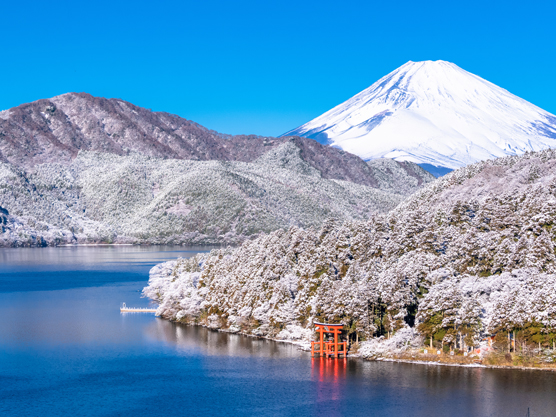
(78, 169)
(470, 255)
(107, 198)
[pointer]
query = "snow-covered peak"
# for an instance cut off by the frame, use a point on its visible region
(433, 112)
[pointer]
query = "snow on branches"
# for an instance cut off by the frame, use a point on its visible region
(469, 255)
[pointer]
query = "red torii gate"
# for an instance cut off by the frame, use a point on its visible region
(326, 349)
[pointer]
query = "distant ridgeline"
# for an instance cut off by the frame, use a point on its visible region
(470, 254)
(83, 169)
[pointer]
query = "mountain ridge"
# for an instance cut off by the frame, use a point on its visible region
(55, 130)
(108, 198)
(84, 169)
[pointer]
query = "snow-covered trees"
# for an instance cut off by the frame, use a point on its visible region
(103, 197)
(471, 254)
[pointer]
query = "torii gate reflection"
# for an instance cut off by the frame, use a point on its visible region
(330, 377)
(330, 374)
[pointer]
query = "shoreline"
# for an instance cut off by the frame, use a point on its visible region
(465, 365)
(69, 245)
(94, 244)
(302, 346)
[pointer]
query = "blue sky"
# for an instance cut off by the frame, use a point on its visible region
(264, 67)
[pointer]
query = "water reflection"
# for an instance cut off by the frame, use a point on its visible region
(64, 348)
(357, 387)
(93, 257)
(196, 339)
(330, 375)
(47, 269)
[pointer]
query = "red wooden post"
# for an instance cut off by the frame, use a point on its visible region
(321, 335)
(335, 343)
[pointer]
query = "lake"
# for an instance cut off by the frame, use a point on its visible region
(66, 350)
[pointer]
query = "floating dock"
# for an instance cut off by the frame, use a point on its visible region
(126, 309)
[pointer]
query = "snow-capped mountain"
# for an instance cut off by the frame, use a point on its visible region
(433, 112)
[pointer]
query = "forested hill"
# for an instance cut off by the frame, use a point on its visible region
(102, 197)
(82, 169)
(470, 254)
(55, 130)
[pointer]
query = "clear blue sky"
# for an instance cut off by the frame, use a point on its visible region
(264, 67)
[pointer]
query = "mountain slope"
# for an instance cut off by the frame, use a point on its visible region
(433, 113)
(102, 197)
(55, 130)
(399, 177)
(77, 169)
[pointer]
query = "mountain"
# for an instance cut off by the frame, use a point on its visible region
(467, 256)
(83, 169)
(102, 197)
(55, 130)
(436, 114)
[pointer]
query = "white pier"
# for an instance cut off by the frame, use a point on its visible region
(126, 309)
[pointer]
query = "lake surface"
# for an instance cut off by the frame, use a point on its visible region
(65, 350)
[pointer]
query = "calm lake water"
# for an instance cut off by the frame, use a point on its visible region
(65, 350)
